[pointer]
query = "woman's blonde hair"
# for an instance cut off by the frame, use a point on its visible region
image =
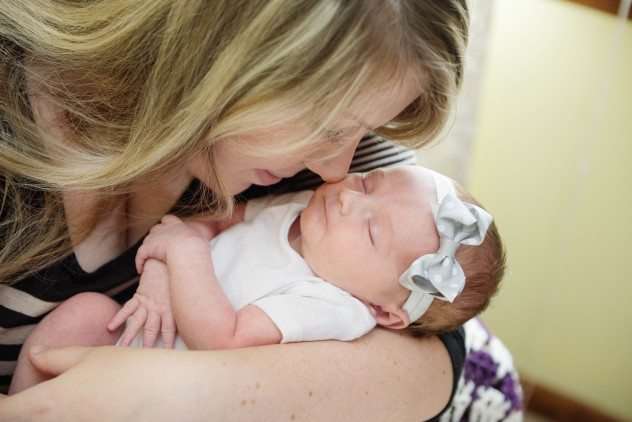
(142, 85)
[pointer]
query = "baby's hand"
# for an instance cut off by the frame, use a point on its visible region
(149, 308)
(208, 229)
(170, 233)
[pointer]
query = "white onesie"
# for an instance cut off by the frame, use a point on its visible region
(255, 264)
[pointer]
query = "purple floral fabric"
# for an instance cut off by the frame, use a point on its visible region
(489, 389)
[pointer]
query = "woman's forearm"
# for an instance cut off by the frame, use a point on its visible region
(382, 376)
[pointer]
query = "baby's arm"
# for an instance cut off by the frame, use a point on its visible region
(204, 316)
(150, 308)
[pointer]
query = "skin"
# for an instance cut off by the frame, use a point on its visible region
(382, 376)
(383, 214)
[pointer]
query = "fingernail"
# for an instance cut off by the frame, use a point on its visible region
(37, 349)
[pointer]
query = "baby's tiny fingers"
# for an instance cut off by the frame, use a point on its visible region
(168, 331)
(134, 325)
(125, 312)
(169, 219)
(141, 257)
(152, 328)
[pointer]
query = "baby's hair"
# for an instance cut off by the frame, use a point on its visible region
(484, 267)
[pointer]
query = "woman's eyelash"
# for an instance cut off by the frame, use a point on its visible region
(335, 136)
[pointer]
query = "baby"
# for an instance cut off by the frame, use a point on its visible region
(375, 248)
(401, 247)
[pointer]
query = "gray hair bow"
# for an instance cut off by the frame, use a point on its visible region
(439, 275)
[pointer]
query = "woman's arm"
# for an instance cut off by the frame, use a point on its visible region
(385, 375)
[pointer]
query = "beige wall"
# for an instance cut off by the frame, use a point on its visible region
(552, 160)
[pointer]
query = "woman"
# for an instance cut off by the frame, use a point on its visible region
(111, 110)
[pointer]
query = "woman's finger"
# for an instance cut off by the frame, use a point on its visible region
(56, 361)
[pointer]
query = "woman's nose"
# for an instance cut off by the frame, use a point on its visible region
(335, 168)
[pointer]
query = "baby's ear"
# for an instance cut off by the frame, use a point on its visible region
(391, 316)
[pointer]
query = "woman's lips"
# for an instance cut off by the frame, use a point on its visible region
(266, 178)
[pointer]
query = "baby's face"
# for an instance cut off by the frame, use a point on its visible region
(363, 232)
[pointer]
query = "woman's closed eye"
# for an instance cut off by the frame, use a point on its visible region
(335, 136)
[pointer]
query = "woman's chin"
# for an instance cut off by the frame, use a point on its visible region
(265, 178)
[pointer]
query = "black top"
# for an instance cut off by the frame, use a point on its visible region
(454, 341)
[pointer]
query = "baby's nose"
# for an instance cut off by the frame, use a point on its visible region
(348, 201)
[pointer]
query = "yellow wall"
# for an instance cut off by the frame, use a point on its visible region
(552, 160)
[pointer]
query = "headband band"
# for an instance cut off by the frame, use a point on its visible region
(439, 275)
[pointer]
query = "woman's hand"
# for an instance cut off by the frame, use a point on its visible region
(103, 384)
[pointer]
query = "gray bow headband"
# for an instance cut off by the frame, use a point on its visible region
(439, 275)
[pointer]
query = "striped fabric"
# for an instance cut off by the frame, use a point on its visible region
(25, 303)
(372, 152)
